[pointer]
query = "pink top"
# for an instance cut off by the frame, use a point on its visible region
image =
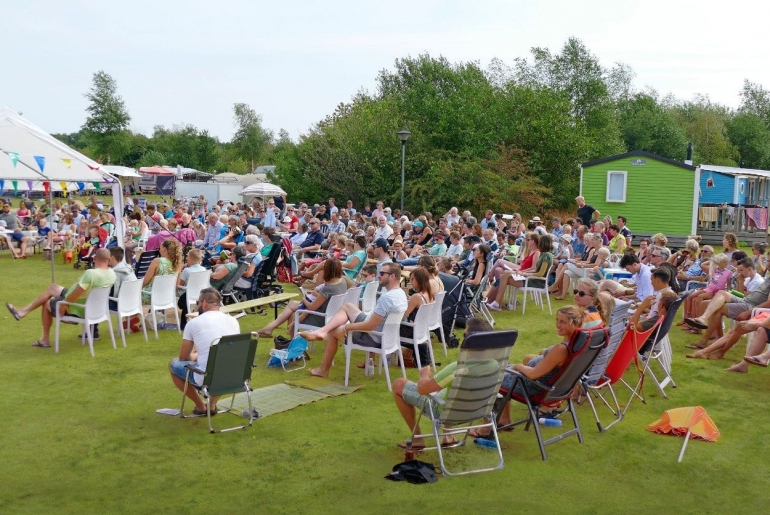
(719, 279)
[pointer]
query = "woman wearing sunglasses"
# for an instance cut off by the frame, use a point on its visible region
(596, 306)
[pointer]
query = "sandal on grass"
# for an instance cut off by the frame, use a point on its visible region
(203, 413)
(41, 344)
(406, 444)
(13, 311)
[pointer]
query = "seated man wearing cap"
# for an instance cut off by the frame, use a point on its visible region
(539, 228)
(380, 250)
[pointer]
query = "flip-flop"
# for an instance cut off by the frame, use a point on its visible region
(263, 334)
(444, 445)
(41, 344)
(695, 323)
(407, 443)
(474, 433)
(693, 346)
(753, 360)
(695, 356)
(13, 311)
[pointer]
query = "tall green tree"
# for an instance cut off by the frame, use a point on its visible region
(106, 126)
(251, 140)
(705, 124)
(647, 125)
(751, 136)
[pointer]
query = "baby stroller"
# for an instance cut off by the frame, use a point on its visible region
(85, 253)
(455, 310)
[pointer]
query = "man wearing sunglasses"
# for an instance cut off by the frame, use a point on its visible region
(350, 318)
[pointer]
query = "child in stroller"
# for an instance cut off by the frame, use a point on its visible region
(96, 239)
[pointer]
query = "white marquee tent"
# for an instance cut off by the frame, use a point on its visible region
(29, 154)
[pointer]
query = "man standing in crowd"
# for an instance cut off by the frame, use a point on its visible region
(585, 212)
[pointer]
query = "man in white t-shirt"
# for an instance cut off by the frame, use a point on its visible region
(199, 334)
(383, 229)
(393, 300)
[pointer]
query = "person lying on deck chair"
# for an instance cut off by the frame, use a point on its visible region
(410, 395)
(568, 320)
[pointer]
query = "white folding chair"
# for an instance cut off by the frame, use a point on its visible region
(129, 304)
(97, 309)
(436, 321)
(390, 342)
(196, 282)
(163, 297)
(421, 333)
(369, 299)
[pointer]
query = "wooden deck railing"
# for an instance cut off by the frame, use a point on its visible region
(738, 220)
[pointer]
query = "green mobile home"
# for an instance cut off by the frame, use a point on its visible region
(655, 194)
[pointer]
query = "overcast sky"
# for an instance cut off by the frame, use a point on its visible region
(179, 62)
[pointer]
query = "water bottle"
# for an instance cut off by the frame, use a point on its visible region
(369, 370)
(483, 442)
(553, 422)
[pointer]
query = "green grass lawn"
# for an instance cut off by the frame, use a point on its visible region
(80, 435)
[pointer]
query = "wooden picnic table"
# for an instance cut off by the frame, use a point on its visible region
(254, 303)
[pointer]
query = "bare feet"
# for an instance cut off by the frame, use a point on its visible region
(696, 355)
(741, 368)
(318, 372)
(313, 336)
(265, 334)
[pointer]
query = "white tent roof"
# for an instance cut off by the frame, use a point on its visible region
(27, 152)
(121, 171)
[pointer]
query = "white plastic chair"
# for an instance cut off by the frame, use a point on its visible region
(436, 321)
(97, 309)
(196, 282)
(391, 342)
(421, 332)
(163, 297)
(353, 295)
(537, 293)
(369, 299)
(129, 304)
(334, 305)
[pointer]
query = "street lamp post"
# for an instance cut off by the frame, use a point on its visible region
(403, 136)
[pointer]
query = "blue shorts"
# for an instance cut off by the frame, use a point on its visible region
(17, 236)
(178, 368)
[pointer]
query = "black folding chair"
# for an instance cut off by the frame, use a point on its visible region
(584, 346)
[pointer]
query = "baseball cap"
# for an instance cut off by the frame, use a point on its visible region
(382, 243)
(418, 223)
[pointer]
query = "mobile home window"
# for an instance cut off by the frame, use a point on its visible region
(616, 186)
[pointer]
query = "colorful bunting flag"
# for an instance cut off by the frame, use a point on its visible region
(14, 157)
(29, 185)
(15, 187)
(2, 185)
(98, 187)
(63, 187)
(47, 188)
(40, 162)
(81, 187)
(67, 162)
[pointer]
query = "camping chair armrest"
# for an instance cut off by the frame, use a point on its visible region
(113, 298)
(435, 398)
(518, 376)
(194, 368)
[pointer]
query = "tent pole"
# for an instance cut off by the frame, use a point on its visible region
(50, 225)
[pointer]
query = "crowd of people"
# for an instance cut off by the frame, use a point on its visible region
(336, 248)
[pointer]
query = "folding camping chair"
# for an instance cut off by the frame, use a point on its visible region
(471, 397)
(143, 263)
(228, 371)
(657, 349)
(292, 354)
(626, 353)
(584, 346)
(596, 378)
